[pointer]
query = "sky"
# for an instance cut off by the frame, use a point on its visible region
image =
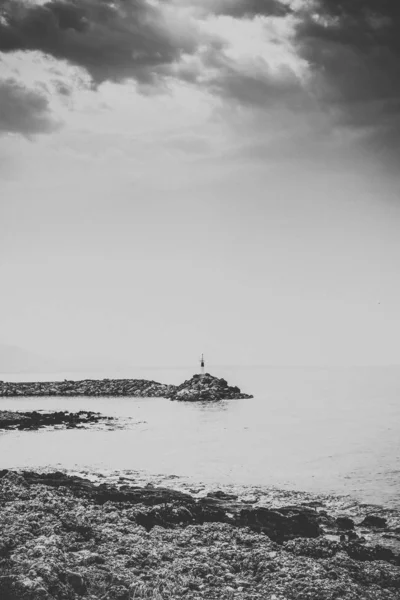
(217, 176)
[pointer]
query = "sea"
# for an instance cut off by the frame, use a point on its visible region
(320, 430)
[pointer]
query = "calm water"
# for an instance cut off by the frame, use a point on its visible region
(322, 430)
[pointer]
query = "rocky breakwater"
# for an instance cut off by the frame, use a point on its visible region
(139, 388)
(205, 388)
(198, 388)
(65, 538)
(38, 419)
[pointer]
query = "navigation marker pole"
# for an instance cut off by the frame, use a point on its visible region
(202, 365)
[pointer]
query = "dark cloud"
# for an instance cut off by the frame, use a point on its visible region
(353, 49)
(23, 111)
(114, 40)
(257, 88)
(250, 8)
(250, 83)
(111, 39)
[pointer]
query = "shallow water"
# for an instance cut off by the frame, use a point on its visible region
(324, 430)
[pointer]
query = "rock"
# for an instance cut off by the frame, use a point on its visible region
(14, 478)
(374, 521)
(35, 420)
(221, 495)
(165, 507)
(205, 388)
(6, 546)
(322, 548)
(76, 582)
(71, 538)
(281, 524)
(87, 387)
(344, 523)
(103, 493)
(369, 553)
(314, 548)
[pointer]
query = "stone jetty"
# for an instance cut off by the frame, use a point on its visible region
(65, 538)
(139, 388)
(198, 388)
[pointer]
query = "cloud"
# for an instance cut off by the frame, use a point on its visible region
(254, 68)
(241, 8)
(149, 42)
(336, 58)
(252, 8)
(112, 39)
(353, 50)
(256, 85)
(23, 111)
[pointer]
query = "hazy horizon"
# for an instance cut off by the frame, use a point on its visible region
(18, 361)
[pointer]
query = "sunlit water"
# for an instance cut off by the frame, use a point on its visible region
(334, 431)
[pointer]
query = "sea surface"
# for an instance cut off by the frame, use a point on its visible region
(312, 429)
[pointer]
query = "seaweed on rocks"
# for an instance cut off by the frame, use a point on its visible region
(36, 420)
(64, 538)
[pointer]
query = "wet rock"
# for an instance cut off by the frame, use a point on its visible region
(345, 523)
(282, 524)
(67, 543)
(37, 419)
(374, 521)
(370, 553)
(166, 507)
(76, 582)
(104, 493)
(6, 546)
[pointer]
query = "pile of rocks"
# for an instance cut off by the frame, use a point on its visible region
(198, 388)
(65, 538)
(36, 420)
(205, 387)
(87, 387)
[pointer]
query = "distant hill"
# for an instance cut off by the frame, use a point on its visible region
(18, 360)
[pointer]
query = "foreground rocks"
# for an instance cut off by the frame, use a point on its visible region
(195, 389)
(65, 538)
(37, 420)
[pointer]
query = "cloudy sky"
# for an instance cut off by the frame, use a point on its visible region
(187, 176)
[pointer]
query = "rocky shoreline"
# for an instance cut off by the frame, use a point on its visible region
(38, 419)
(66, 537)
(198, 388)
